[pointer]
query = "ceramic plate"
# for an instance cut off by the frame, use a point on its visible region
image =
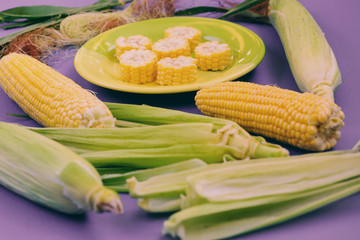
(96, 62)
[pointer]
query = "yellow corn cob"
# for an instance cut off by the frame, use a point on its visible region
(138, 66)
(133, 42)
(300, 119)
(172, 71)
(171, 47)
(49, 97)
(191, 34)
(213, 55)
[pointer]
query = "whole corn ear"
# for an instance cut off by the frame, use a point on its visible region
(50, 174)
(311, 59)
(50, 98)
(304, 120)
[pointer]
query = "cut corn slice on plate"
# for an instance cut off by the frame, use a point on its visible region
(96, 60)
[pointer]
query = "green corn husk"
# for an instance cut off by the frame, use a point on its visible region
(160, 205)
(157, 157)
(168, 185)
(114, 170)
(231, 198)
(246, 196)
(222, 220)
(158, 145)
(83, 140)
(311, 59)
(50, 174)
(271, 178)
(174, 184)
(117, 182)
(144, 114)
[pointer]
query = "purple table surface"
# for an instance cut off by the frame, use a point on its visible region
(22, 219)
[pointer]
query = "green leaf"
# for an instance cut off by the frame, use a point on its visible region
(35, 12)
(200, 9)
(19, 115)
(21, 24)
(241, 7)
(8, 38)
(47, 11)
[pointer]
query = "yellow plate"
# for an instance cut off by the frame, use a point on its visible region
(96, 62)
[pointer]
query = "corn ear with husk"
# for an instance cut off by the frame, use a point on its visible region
(149, 115)
(309, 54)
(154, 146)
(311, 59)
(50, 174)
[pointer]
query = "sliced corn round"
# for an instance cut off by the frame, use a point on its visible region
(213, 55)
(171, 47)
(191, 34)
(133, 42)
(173, 71)
(138, 66)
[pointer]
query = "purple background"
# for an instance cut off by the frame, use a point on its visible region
(22, 219)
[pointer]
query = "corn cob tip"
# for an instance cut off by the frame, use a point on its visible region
(106, 200)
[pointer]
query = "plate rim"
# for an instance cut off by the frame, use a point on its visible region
(167, 89)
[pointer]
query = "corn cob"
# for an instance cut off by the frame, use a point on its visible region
(180, 70)
(171, 47)
(50, 98)
(304, 120)
(191, 34)
(138, 66)
(213, 55)
(48, 173)
(133, 42)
